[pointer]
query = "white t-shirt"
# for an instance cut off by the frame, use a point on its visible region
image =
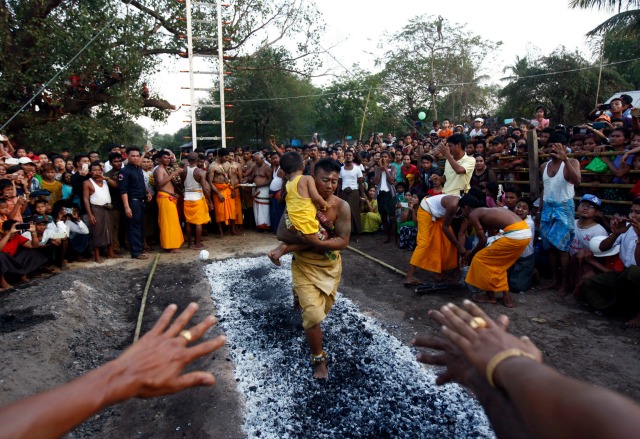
(350, 177)
(529, 250)
(583, 236)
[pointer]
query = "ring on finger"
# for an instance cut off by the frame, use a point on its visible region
(478, 323)
(186, 334)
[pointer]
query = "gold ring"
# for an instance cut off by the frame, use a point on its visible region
(478, 323)
(186, 334)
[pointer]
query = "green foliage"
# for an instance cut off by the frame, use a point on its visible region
(38, 38)
(340, 111)
(626, 20)
(620, 49)
(563, 82)
(430, 49)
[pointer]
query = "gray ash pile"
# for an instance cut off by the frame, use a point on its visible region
(375, 387)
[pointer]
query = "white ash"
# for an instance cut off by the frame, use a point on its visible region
(376, 388)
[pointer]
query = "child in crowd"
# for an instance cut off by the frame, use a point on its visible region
(40, 208)
(17, 205)
(510, 197)
(586, 228)
(438, 183)
(491, 192)
(521, 273)
(67, 189)
(50, 183)
(301, 198)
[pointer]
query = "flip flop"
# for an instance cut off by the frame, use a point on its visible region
(482, 298)
(141, 256)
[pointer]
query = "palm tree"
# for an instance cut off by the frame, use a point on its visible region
(625, 21)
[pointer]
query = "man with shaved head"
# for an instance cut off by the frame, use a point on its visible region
(197, 199)
(171, 237)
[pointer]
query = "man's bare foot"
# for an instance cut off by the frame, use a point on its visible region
(484, 298)
(23, 278)
(198, 247)
(554, 284)
(99, 260)
(235, 233)
(506, 300)
(412, 282)
(634, 322)
(175, 250)
(320, 371)
(114, 256)
(296, 303)
(561, 293)
(387, 241)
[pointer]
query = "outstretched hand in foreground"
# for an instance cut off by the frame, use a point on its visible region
(152, 366)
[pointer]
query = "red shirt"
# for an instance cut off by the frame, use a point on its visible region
(11, 247)
(412, 169)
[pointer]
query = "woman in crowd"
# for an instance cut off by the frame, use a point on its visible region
(482, 174)
(370, 218)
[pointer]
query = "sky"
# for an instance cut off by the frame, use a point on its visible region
(355, 32)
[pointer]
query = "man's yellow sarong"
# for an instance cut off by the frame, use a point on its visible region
(196, 212)
(170, 232)
(315, 283)
(434, 252)
(489, 266)
(224, 210)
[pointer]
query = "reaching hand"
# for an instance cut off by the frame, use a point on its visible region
(457, 368)
(155, 364)
(480, 345)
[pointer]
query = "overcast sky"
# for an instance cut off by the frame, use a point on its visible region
(357, 29)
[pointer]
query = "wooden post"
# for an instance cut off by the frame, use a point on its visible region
(534, 165)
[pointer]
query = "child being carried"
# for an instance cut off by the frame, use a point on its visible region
(302, 199)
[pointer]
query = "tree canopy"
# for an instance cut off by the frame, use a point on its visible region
(101, 89)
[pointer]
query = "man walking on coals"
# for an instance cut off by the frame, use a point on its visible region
(315, 276)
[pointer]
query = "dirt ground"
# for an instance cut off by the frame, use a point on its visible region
(55, 329)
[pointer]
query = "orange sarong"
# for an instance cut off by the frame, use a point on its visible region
(489, 266)
(225, 210)
(434, 252)
(238, 205)
(170, 232)
(196, 212)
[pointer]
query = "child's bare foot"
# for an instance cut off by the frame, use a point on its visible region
(276, 254)
(273, 258)
(99, 260)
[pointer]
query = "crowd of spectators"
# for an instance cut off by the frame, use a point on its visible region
(57, 208)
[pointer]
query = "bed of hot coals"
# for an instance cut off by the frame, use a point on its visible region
(375, 389)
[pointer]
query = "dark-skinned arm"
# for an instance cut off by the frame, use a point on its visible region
(448, 231)
(457, 167)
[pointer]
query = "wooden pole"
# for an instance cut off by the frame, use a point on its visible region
(604, 38)
(364, 114)
(534, 164)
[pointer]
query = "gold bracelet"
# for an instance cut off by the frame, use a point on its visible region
(500, 357)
